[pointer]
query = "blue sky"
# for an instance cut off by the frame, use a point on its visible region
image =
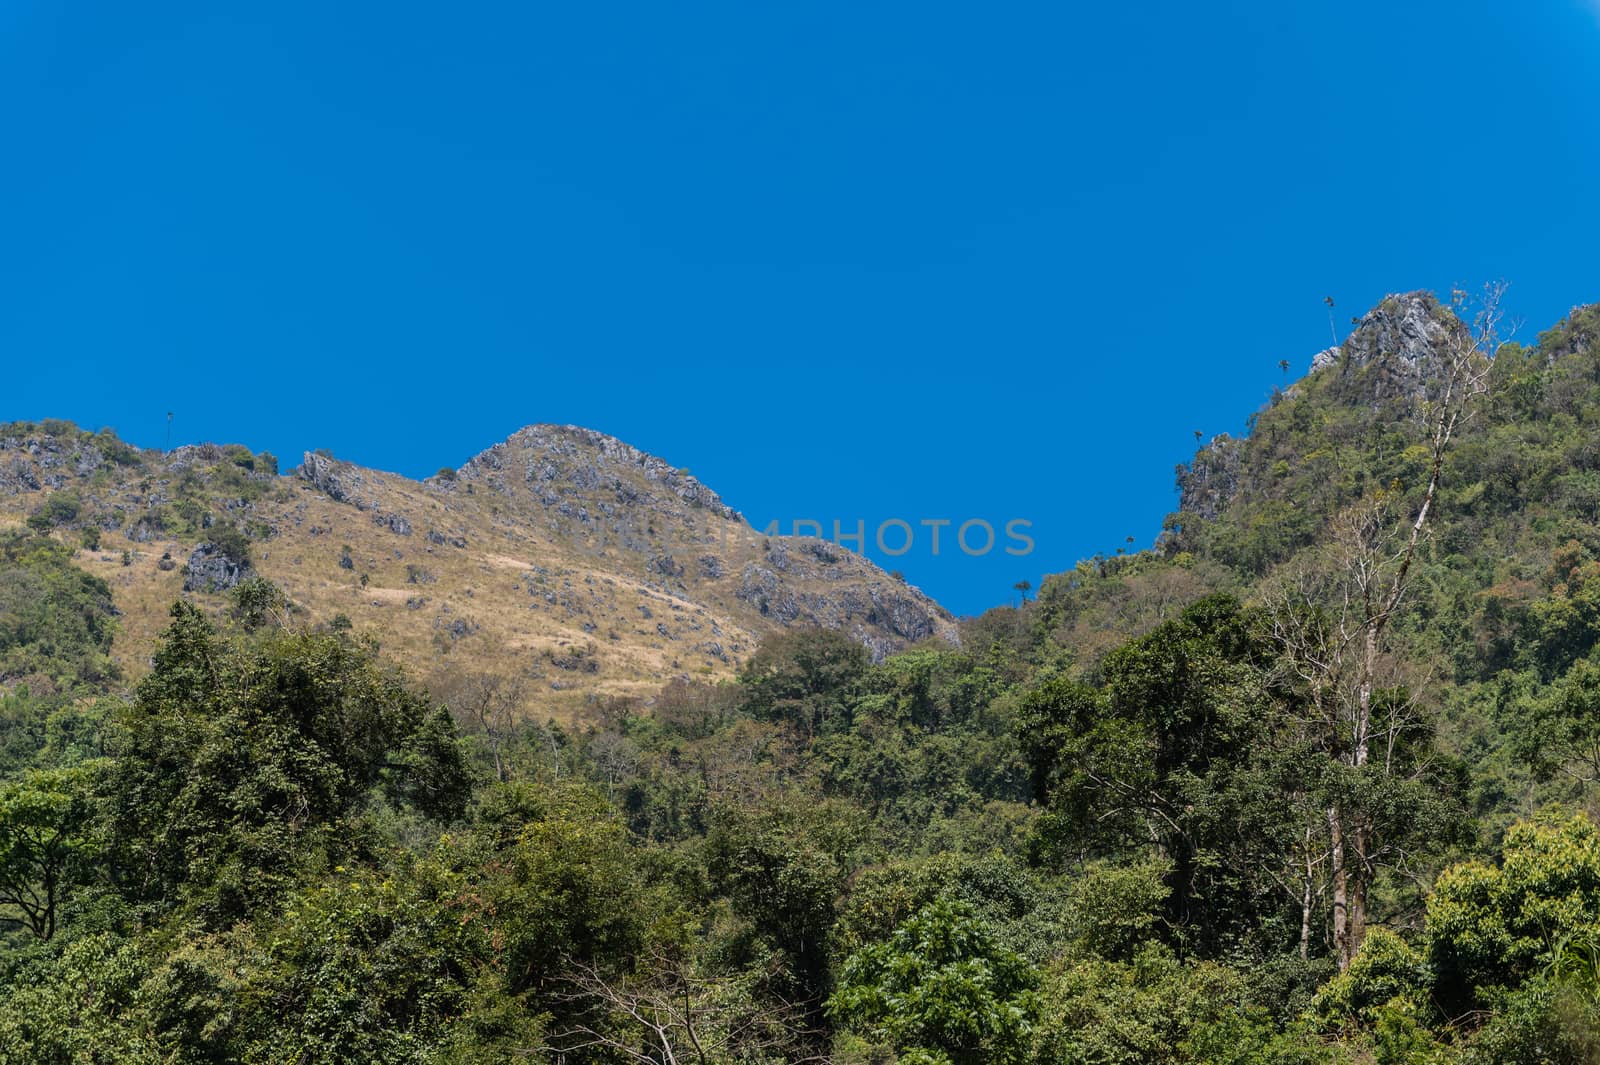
(844, 261)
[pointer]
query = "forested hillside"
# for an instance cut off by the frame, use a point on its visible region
(1310, 782)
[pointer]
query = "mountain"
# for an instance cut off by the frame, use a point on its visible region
(1502, 586)
(1313, 780)
(562, 553)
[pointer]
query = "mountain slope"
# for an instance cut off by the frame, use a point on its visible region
(1511, 542)
(563, 554)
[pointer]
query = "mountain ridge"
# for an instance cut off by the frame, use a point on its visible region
(593, 566)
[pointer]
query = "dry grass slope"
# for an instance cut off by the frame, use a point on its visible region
(564, 556)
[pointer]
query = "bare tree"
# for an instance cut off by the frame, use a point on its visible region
(668, 1012)
(615, 756)
(1332, 612)
(487, 702)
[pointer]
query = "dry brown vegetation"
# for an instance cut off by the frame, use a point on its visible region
(565, 560)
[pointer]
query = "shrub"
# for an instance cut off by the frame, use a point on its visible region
(240, 456)
(1385, 969)
(59, 509)
(231, 543)
(1492, 927)
(941, 989)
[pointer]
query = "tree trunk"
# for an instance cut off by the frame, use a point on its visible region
(1357, 883)
(1341, 889)
(1306, 898)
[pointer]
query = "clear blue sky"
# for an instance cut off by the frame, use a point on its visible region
(842, 260)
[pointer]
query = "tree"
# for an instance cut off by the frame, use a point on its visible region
(365, 965)
(940, 990)
(782, 863)
(1023, 588)
(565, 883)
(47, 833)
(489, 702)
(236, 756)
(1491, 927)
(1176, 751)
(805, 679)
(670, 1010)
(1558, 730)
(1333, 611)
(257, 601)
(56, 620)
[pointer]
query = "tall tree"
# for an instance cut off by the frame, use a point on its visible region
(1333, 611)
(1176, 751)
(47, 832)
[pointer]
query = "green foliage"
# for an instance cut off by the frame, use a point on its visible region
(940, 989)
(48, 837)
(782, 867)
(565, 883)
(1557, 728)
(1541, 1023)
(56, 621)
(257, 601)
(236, 758)
(59, 508)
(1022, 910)
(231, 543)
(239, 455)
(83, 1008)
(1490, 927)
(1156, 1010)
(1115, 909)
(1386, 968)
(804, 678)
(1176, 748)
(366, 966)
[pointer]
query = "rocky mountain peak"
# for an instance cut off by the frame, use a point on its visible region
(1575, 334)
(1397, 349)
(1390, 362)
(568, 464)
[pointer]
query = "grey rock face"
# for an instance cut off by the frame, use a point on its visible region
(901, 615)
(1410, 328)
(1399, 351)
(36, 459)
(345, 483)
(884, 617)
(1210, 482)
(1325, 357)
(144, 530)
(761, 588)
(1392, 361)
(211, 570)
(339, 481)
(395, 523)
